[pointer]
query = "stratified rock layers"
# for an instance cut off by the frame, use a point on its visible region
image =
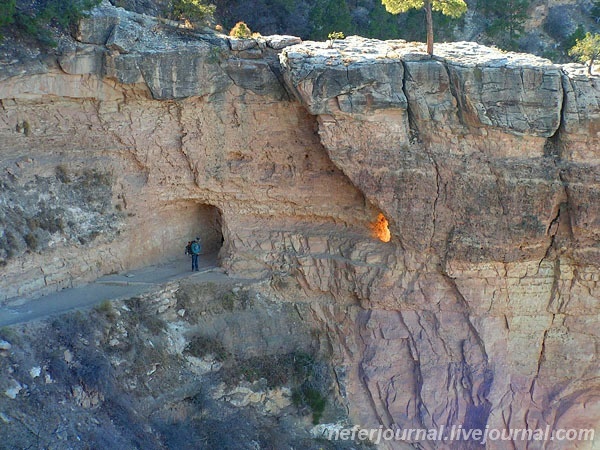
(481, 310)
(486, 165)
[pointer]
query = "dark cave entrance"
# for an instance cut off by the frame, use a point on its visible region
(215, 230)
(173, 225)
(205, 222)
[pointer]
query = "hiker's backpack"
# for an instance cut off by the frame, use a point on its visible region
(196, 248)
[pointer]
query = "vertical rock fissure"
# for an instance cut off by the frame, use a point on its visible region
(553, 146)
(413, 129)
(566, 204)
(416, 359)
(276, 69)
(361, 323)
(438, 179)
(563, 105)
(540, 360)
(454, 92)
(487, 374)
(501, 187)
(553, 302)
(182, 133)
(454, 288)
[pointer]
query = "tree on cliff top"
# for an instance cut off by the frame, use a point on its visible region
(193, 11)
(587, 50)
(452, 8)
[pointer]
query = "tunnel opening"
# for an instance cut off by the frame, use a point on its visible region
(166, 231)
(208, 227)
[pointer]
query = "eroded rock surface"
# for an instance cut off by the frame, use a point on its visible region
(481, 310)
(478, 162)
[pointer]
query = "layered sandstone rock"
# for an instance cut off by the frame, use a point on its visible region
(486, 164)
(479, 311)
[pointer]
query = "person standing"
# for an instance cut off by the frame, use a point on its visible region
(195, 249)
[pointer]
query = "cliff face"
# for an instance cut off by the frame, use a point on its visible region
(486, 165)
(481, 310)
(239, 145)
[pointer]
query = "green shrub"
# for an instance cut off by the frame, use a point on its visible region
(142, 313)
(10, 334)
(108, 310)
(92, 178)
(241, 31)
(274, 369)
(577, 35)
(95, 372)
(587, 50)
(331, 37)
(330, 15)
(507, 21)
(595, 12)
(307, 377)
(30, 25)
(32, 241)
(65, 13)
(228, 301)
(68, 329)
(201, 346)
(36, 19)
(233, 300)
(7, 13)
(194, 11)
(311, 397)
(62, 174)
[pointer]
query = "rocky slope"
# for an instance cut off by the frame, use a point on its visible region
(197, 364)
(482, 308)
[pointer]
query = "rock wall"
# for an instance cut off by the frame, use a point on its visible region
(481, 310)
(486, 165)
(256, 158)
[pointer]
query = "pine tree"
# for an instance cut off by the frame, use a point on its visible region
(507, 20)
(452, 8)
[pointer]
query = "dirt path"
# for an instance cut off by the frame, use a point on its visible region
(109, 287)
